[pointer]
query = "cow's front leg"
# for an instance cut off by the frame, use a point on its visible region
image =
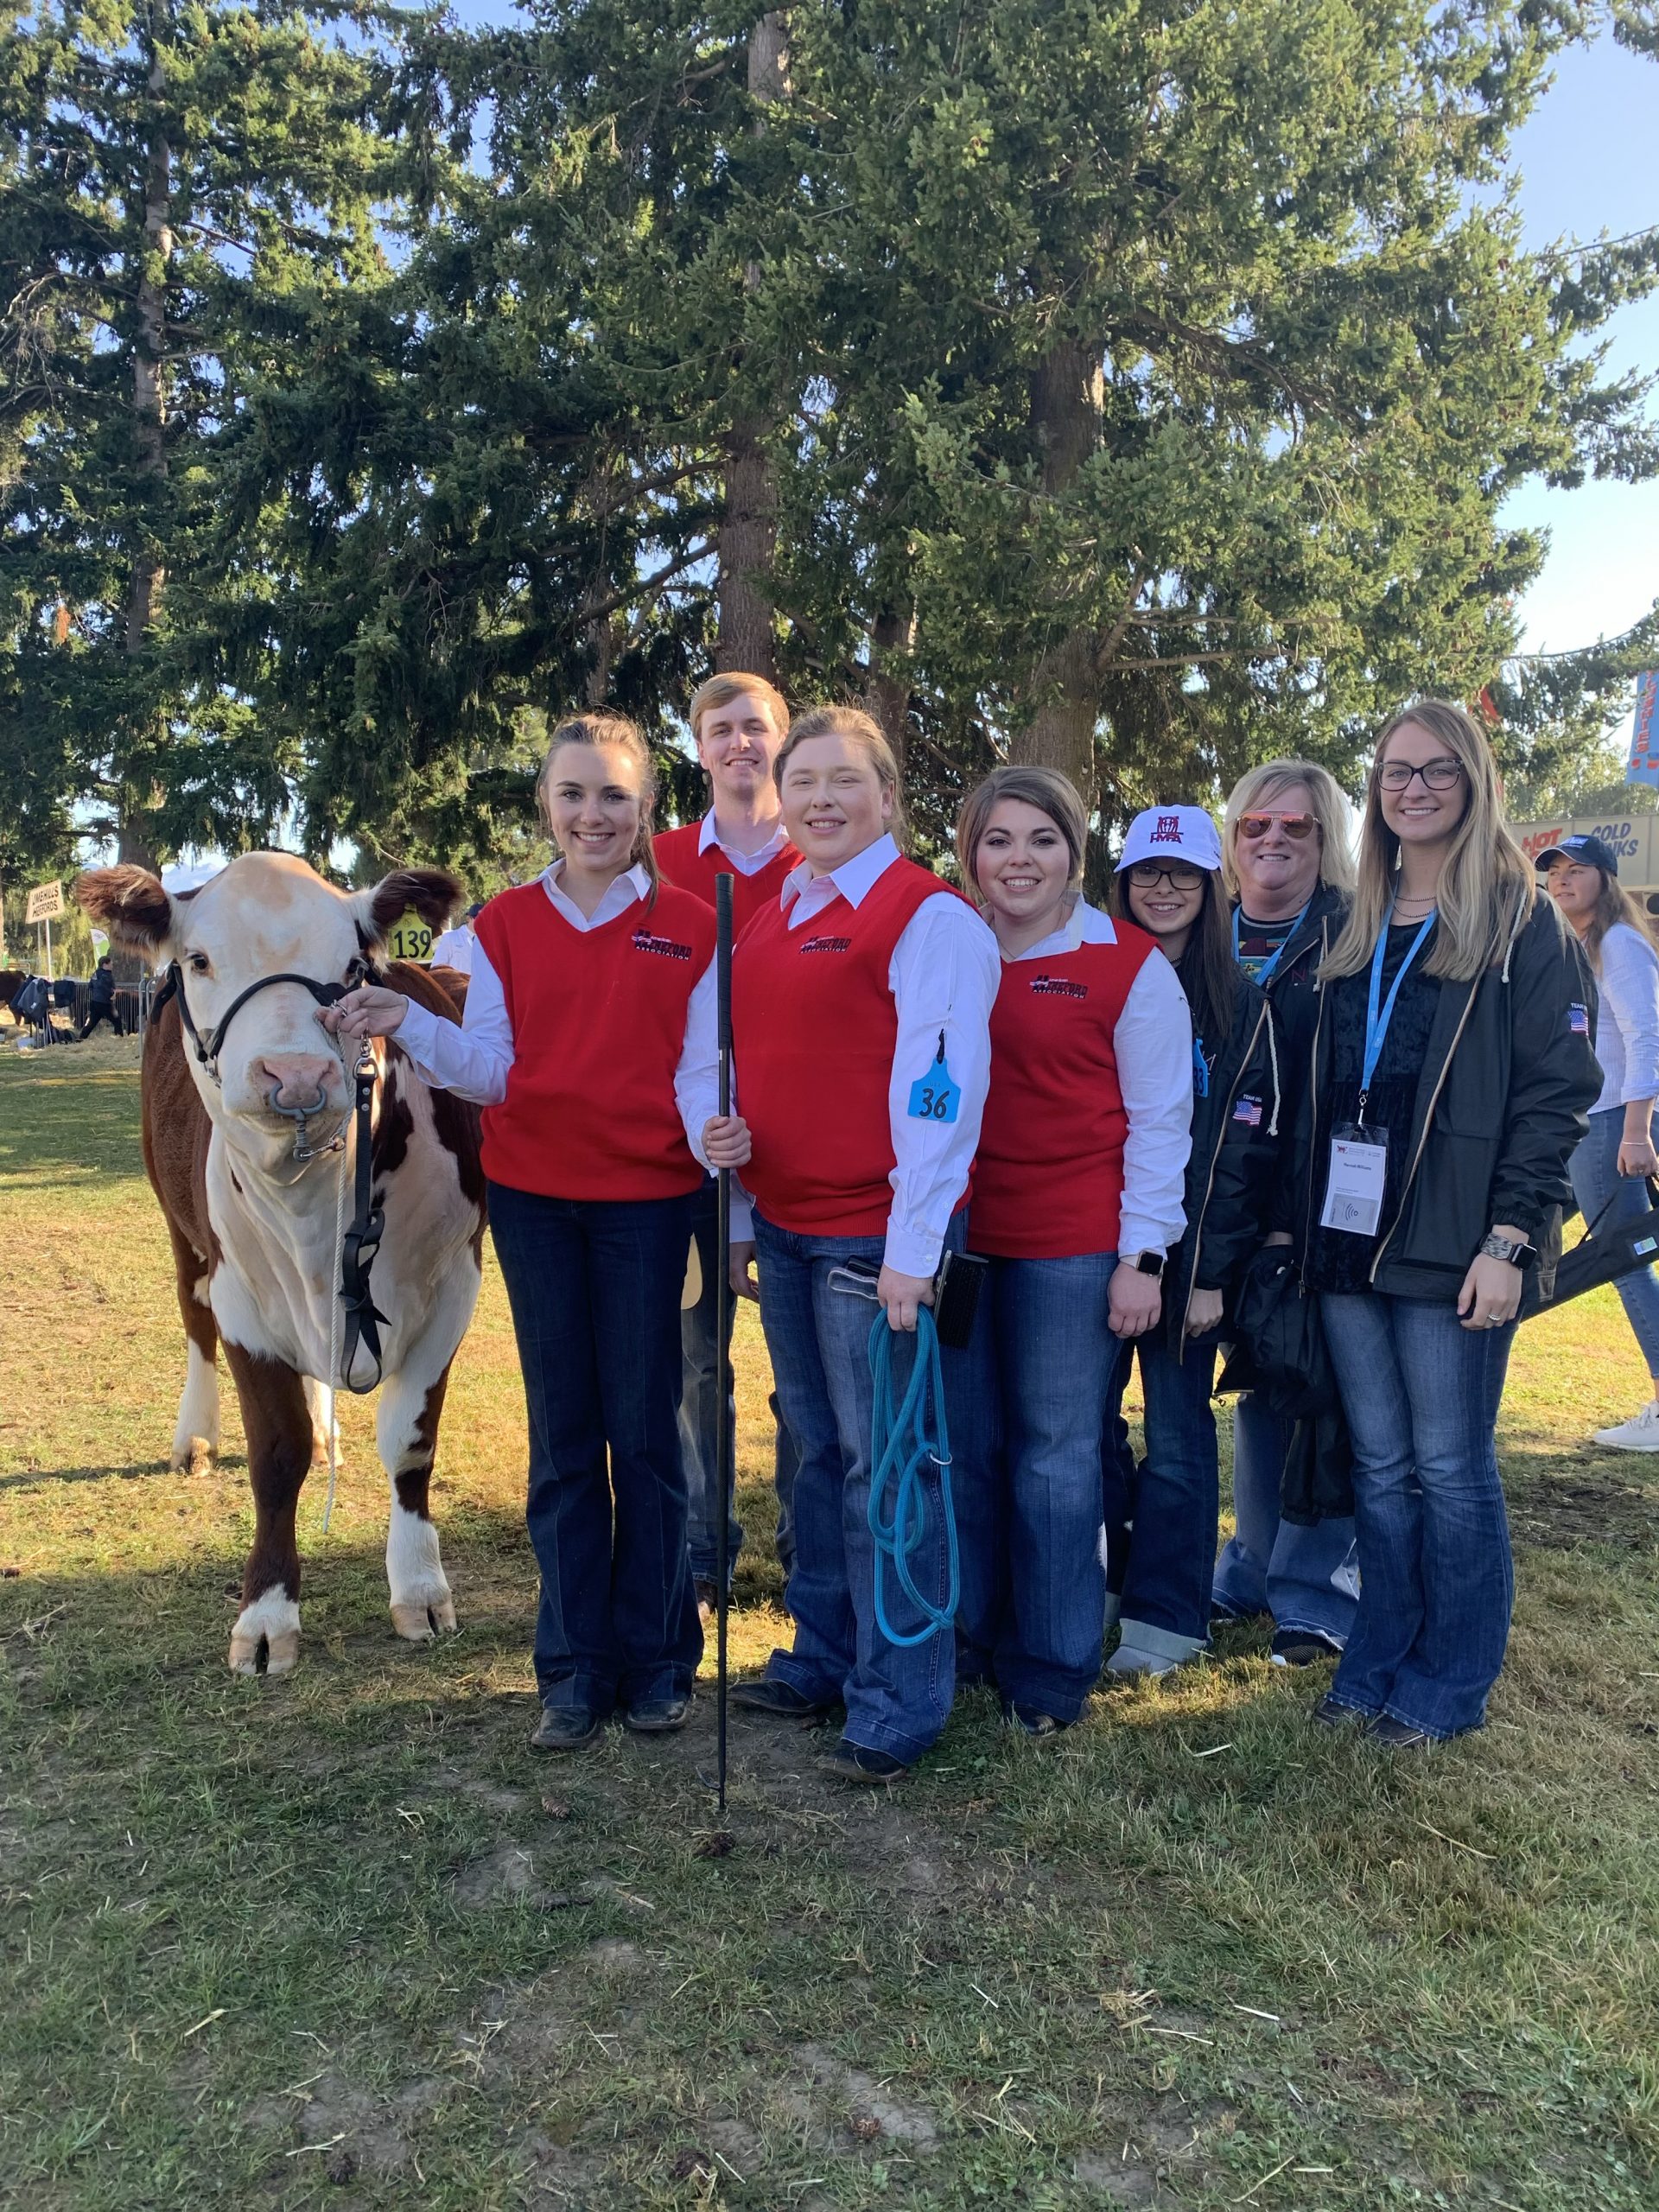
(196, 1435)
(278, 1425)
(319, 1403)
(408, 1432)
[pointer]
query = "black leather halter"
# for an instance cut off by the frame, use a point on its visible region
(208, 1049)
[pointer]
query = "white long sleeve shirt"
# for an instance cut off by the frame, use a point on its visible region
(473, 1061)
(1153, 1045)
(943, 973)
(745, 863)
(1627, 1028)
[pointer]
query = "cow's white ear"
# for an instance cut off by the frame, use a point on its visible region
(431, 893)
(130, 903)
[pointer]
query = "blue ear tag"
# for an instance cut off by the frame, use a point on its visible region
(934, 1097)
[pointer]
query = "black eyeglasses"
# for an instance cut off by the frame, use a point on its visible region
(1437, 775)
(1146, 875)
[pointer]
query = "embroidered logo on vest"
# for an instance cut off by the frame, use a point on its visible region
(665, 946)
(1059, 987)
(828, 944)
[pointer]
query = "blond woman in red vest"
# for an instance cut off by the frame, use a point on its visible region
(589, 1040)
(861, 1003)
(738, 723)
(1078, 1198)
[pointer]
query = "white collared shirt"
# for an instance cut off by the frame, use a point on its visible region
(745, 863)
(473, 1061)
(455, 949)
(1152, 1046)
(943, 974)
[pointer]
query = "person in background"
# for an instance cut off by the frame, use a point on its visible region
(861, 1010)
(1286, 858)
(100, 1001)
(590, 1039)
(738, 723)
(1452, 1073)
(1077, 1199)
(1610, 1167)
(454, 948)
(1169, 881)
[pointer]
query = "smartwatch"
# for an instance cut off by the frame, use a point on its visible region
(1148, 1264)
(1515, 1250)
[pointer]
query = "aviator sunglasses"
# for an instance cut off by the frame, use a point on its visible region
(1261, 820)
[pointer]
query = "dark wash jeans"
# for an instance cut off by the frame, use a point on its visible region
(1033, 1585)
(699, 1409)
(898, 1698)
(1170, 1516)
(1436, 1584)
(595, 1288)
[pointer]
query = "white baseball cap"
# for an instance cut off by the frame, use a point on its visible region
(1171, 833)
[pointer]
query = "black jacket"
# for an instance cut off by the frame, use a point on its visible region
(1504, 1096)
(1236, 1127)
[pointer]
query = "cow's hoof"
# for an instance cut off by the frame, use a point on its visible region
(195, 1458)
(419, 1621)
(266, 1638)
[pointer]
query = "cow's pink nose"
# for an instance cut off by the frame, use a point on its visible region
(294, 1078)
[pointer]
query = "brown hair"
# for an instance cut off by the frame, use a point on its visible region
(1488, 887)
(721, 691)
(1613, 905)
(617, 730)
(1209, 975)
(864, 730)
(1047, 789)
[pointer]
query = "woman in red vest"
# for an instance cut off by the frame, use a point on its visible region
(1078, 1197)
(590, 1039)
(860, 1005)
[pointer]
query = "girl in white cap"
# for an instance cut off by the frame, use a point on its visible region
(1169, 881)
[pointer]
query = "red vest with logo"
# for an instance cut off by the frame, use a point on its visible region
(1048, 1182)
(598, 1027)
(683, 865)
(814, 1027)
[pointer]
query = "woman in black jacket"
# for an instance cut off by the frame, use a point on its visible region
(1452, 1072)
(1169, 881)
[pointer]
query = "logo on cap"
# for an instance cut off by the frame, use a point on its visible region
(1166, 830)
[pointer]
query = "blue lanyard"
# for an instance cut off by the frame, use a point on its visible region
(1380, 1012)
(1264, 973)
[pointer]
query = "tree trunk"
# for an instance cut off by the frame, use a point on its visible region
(886, 695)
(748, 533)
(134, 842)
(1067, 395)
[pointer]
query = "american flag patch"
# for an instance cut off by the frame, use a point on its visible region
(1249, 1110)
(1577, 1021)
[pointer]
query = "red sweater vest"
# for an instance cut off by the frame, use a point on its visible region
(813, 1031)
(682, 864)
(598, 1027)
(1048, 1183)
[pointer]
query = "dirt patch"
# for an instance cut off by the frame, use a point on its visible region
(1559, 1503)
(1107, 2175)
(345, 2131)
(875, 2110)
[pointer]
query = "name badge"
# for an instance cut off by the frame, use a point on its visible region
(1353, 1190)
(935, 1097)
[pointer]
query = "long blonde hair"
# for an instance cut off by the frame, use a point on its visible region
(617, 730)
(1487, 887)
(1259, 787)
(865, 731)
(1047, 789)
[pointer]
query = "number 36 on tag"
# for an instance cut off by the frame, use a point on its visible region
(935, 1097)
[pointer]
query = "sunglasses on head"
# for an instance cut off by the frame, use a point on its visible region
(1259, 820)
(1182, 874)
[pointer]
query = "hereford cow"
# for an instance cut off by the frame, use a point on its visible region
(255, 1228)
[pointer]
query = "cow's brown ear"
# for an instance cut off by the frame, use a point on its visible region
(130, 903)
(431, 893)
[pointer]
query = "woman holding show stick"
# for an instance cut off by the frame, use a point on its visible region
(589, 1040)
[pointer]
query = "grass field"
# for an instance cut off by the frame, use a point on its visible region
(338, 1941)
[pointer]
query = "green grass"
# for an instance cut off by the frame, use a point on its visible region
(338, 1940)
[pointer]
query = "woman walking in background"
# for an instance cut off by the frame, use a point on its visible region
(1077, 1200)
(590, 1039)
(1169, 881)
(1286, 862)
(1452, 1073)
(1610, 1169)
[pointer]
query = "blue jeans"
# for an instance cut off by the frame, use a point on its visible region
(1165, 1601)
(1033, 1586)
(595, 1288)
(699, 1409)
(1422, 1395)
(1594, 1171)
(1306, 1577)
(897, 1697)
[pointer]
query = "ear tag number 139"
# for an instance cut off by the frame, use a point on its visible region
(935, 1097)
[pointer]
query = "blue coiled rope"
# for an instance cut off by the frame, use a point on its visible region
(901, 1447)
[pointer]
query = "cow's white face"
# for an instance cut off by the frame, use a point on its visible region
(266, 915)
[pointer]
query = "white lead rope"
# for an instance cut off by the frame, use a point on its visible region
(364, 1053)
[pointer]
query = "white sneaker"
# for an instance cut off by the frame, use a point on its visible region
(1639, 1434)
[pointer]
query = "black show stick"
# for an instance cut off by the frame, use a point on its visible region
(724, 1439)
